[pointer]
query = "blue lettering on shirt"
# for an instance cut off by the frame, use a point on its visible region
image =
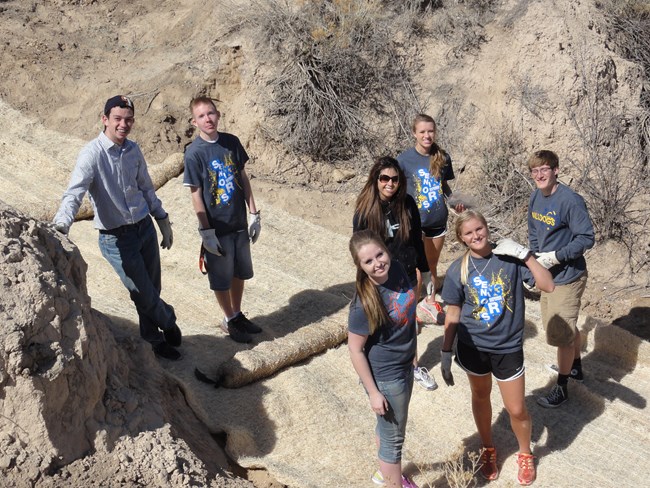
(490, 299)
(224, 176)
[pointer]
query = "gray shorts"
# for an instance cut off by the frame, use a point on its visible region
(235, 263)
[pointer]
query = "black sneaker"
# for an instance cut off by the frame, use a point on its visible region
(166, 351)
(248, 326)
(575, 374)
(173, 336)
(556, 397)
(235, 330)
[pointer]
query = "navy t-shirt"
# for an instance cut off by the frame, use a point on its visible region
(492, 302)
(425, 189)
(390, 350)
(560, 222)
(215, 167)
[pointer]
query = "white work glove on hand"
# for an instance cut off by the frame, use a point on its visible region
(508, 247)
(547, 259)
(62, 228)
(445, 366)
(255, 226)
(210, 241)
(165, 227)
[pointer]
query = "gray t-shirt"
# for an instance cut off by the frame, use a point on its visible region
(216, 167)
(492, 302)
(560, 222)
(390, 350)
(425, 189)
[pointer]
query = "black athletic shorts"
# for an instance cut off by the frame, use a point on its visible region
(504, 367)
(433, 232)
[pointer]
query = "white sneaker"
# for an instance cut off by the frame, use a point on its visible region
(424, 379)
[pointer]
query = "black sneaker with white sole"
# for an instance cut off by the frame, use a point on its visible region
(248, 326)
(235, 330)
(575, 374)
(556, 397)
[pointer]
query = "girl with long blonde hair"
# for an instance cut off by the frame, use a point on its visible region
(484, 293)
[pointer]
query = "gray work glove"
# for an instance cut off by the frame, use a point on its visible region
(165, 227)
(210, 241)
(445, 366)
(508, 247)
(255, 226)
(547, 259)
(62, 228)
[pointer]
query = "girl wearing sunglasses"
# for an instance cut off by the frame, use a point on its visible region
(384, 207)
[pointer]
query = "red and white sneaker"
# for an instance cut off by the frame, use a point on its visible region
(430, 313)
(526, 474)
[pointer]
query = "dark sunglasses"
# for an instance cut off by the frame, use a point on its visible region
(386, 178)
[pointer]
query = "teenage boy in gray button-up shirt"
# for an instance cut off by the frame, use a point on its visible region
(113, 171)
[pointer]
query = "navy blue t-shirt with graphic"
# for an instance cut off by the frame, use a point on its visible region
(426, 189)
(390, 350)
(492, 302)
(215, 167)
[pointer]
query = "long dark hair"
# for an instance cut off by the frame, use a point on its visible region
(368, 206)
(366, 290)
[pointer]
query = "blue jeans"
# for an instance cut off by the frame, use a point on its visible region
(391, 427)
(133, 252)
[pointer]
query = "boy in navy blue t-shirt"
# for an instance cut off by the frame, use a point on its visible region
(221, 190)
(559, 232)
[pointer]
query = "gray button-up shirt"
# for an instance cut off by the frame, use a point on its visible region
(117, 179)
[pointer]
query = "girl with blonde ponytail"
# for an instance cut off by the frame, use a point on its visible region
(382, 343)
(428, 169)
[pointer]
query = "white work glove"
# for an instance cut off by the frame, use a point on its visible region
(445, 366)
(426, 281)
(508, 247)
(255, 226)
(547, 259)
(210, 241)
(62, 228)
(165, 227)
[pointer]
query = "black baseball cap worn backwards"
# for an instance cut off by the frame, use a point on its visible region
(118, 101)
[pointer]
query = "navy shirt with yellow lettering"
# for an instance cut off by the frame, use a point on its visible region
(560, 222)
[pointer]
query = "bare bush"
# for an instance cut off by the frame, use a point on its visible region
(614, 160)
(462, 25)
(530, 95)
(458, 472)
(507, 187)
(339, 68)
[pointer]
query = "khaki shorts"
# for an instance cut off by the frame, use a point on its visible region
(560, 311)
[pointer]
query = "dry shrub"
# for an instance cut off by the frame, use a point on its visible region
(460, 472)
(339, 68)
(532, 96)
(613, 165)
(461, 23)
(505, 193)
